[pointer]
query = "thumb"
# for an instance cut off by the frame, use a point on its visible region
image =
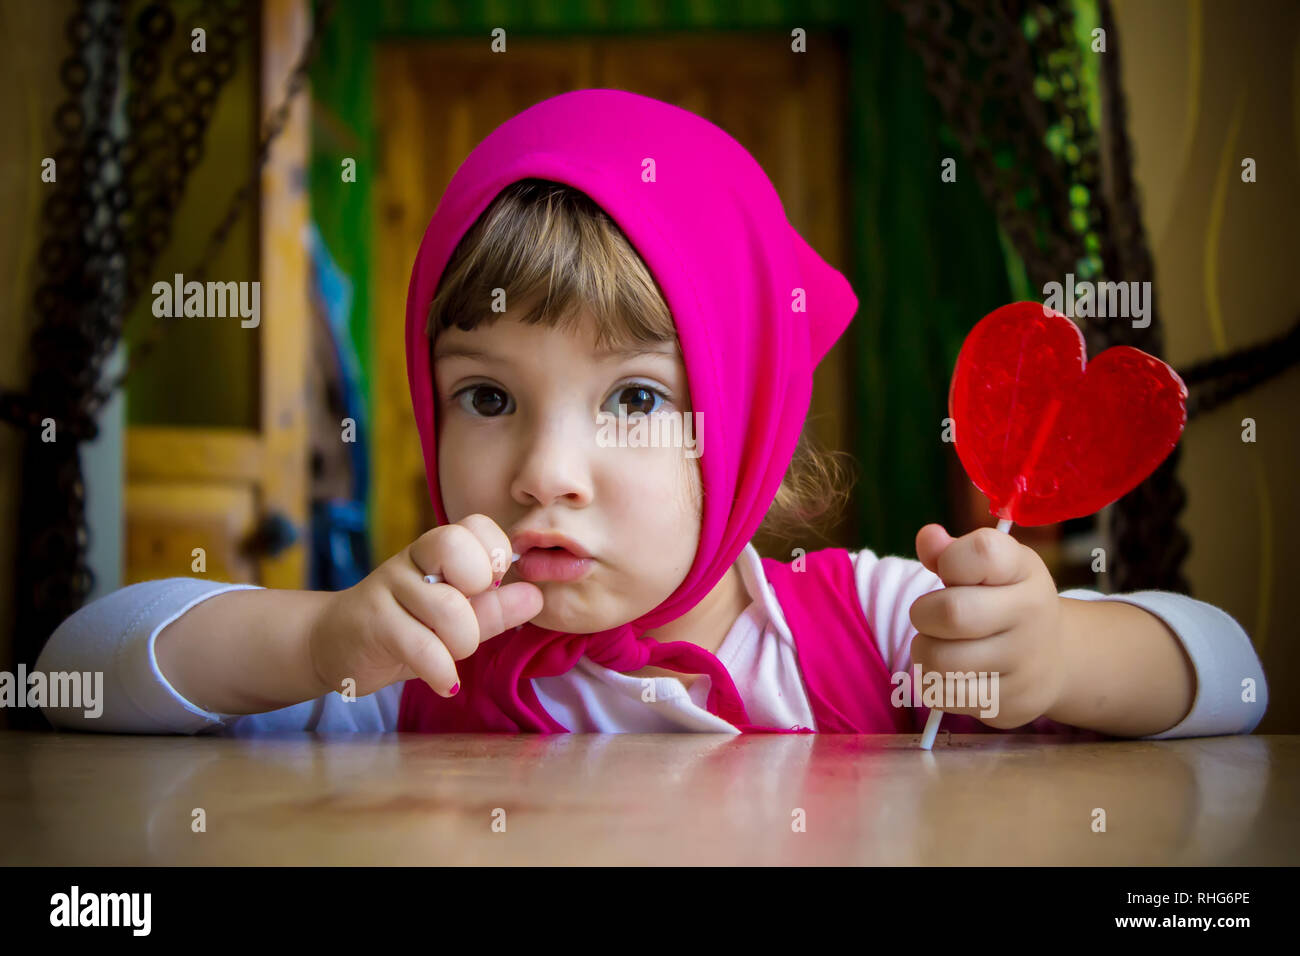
(932, 541)
(507, 606)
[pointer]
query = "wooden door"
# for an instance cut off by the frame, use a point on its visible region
(214, 488)
(437, 99)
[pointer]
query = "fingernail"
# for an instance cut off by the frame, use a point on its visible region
(455, 689)
(496, 584)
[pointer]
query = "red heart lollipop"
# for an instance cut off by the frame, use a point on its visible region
(1048, 435)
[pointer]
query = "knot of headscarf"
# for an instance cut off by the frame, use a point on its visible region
(756, 308)
(624, 649)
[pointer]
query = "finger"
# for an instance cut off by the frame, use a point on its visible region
(494, 540)
(510, 606)
(457, 554)
(985, 556)
(410, 642)
(960, 667)
(966, 612)
(961, 657)
(930, 543)
(442, 609)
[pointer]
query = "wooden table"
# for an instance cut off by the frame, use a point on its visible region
(91, 799)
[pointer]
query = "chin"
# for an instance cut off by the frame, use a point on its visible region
(571, 619)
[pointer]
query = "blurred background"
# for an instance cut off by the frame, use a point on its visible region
(306, 145)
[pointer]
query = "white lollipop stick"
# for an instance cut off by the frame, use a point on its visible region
(437, 578)
(932, 722)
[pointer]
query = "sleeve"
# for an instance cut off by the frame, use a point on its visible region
(888, 587)
(113, 638)
(1222, 654)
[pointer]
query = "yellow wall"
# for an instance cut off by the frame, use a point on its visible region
(1208, 84)
(205, 372)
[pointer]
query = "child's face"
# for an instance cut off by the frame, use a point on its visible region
(518, 442)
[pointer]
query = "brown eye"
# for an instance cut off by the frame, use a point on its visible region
(638, 398)
(487, 401)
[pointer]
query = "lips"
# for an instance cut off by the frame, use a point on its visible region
(542, 540)
(550, 556)
(541, 564)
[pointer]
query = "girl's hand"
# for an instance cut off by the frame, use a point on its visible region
(999, 613)
(394, 625)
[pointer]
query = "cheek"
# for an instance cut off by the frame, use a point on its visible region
(461, 465)
(694, 485)
(688, 499)
(660, 477)
(658, 495)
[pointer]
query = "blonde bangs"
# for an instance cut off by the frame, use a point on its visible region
(555, 252)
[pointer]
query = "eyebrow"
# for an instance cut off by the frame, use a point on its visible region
(666, 349)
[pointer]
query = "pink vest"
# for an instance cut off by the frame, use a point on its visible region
(848, 683)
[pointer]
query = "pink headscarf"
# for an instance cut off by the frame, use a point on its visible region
(712, 231)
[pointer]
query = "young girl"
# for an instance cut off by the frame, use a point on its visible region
(605, 257)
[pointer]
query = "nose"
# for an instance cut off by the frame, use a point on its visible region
(555, 467)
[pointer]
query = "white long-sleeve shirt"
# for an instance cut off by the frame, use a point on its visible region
(116, 633)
